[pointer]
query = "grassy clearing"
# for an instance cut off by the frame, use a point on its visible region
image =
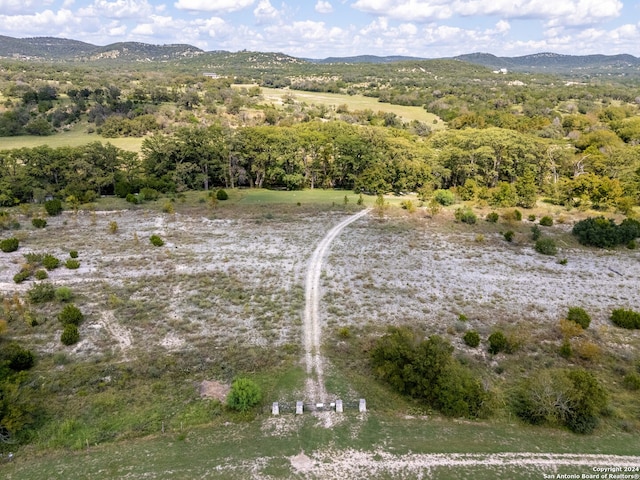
(75, 137)
(354, 102)
(264, 447)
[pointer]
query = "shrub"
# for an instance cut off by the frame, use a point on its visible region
(517, 215)
(22, 275)
(50, 262)
(131, 198)
(41, 274)
(536, 233)
(498, 343)
(72, 264)
(408, 205)
(17, 357)
(471, 338)
(53, 207)
(626, 318)
(63, 294)
(41, 292)
(39, 222)
(222, 195)
(532, 218)
(632, 245)
(149, 194)
(579, 316)
(465, 215)
(156, 241)
(444, 197)
(168, 207)
(586, 350)
(604, 233)
(570, 329)
(631, 381)
(546, 246)
(73, 254)
(492, 217)
(565, 349)
(546, 221)
(113, 227)
(70, 314)
(508, 235)
(581, 397)
(70, 334)
(244, 395)
(9, 244)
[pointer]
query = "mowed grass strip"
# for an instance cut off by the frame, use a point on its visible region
(354, 102)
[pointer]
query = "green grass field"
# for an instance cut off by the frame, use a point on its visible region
(355, 102)
(75, 137)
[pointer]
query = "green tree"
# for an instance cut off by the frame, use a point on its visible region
(244, 395)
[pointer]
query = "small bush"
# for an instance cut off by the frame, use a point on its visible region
(471, 338)
(565, 349)
(586, 350)
(72, 264)
(408, 205)
(532, 218)
(344, 332)
(70, 314)
(70, 334)
(41, 275)
(492, 217)
(113, 227)
(41, 292)
(517, 215)
(570, 329)
(498, 343)
(53, 207)
(9, 244)
(508, 235)
(536, 233)
(546, 246)
(631, 381)
(156, 241)
(50, 262)
(546, 221)
(626, 318)
(579, 316)
(466, 215)
(168, 207)
(149, 194)
(222, 195)
(444, 197)
(17, 357)
(21, 276)
(632, 245)
(131, 198)
(63, 294)
(73, 254)
(244, 395)
(39, 222)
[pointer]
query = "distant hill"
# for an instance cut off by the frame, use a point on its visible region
(61, 49)
(555, 63)
(365, 59)
(50, 48)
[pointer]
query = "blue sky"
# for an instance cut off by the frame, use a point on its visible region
(322, 28)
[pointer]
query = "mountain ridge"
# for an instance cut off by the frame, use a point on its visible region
(62, 49)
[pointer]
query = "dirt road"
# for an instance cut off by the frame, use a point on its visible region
(315, 389)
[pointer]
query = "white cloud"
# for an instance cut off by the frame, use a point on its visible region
(324, 7)
(265, 12)
(565, 12)
(117, 9)
(22, 6)
(221, 6)
(41, 23)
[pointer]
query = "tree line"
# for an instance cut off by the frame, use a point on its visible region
(495, 165)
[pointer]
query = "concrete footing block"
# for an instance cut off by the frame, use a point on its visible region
(275, 409)
(363, 405)
(339, 406)
(299, 408)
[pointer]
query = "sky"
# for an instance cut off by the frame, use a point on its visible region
(323, 28)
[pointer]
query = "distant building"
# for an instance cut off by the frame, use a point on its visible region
(211, 75)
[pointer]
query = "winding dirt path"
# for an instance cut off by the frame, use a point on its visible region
(315, 389)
